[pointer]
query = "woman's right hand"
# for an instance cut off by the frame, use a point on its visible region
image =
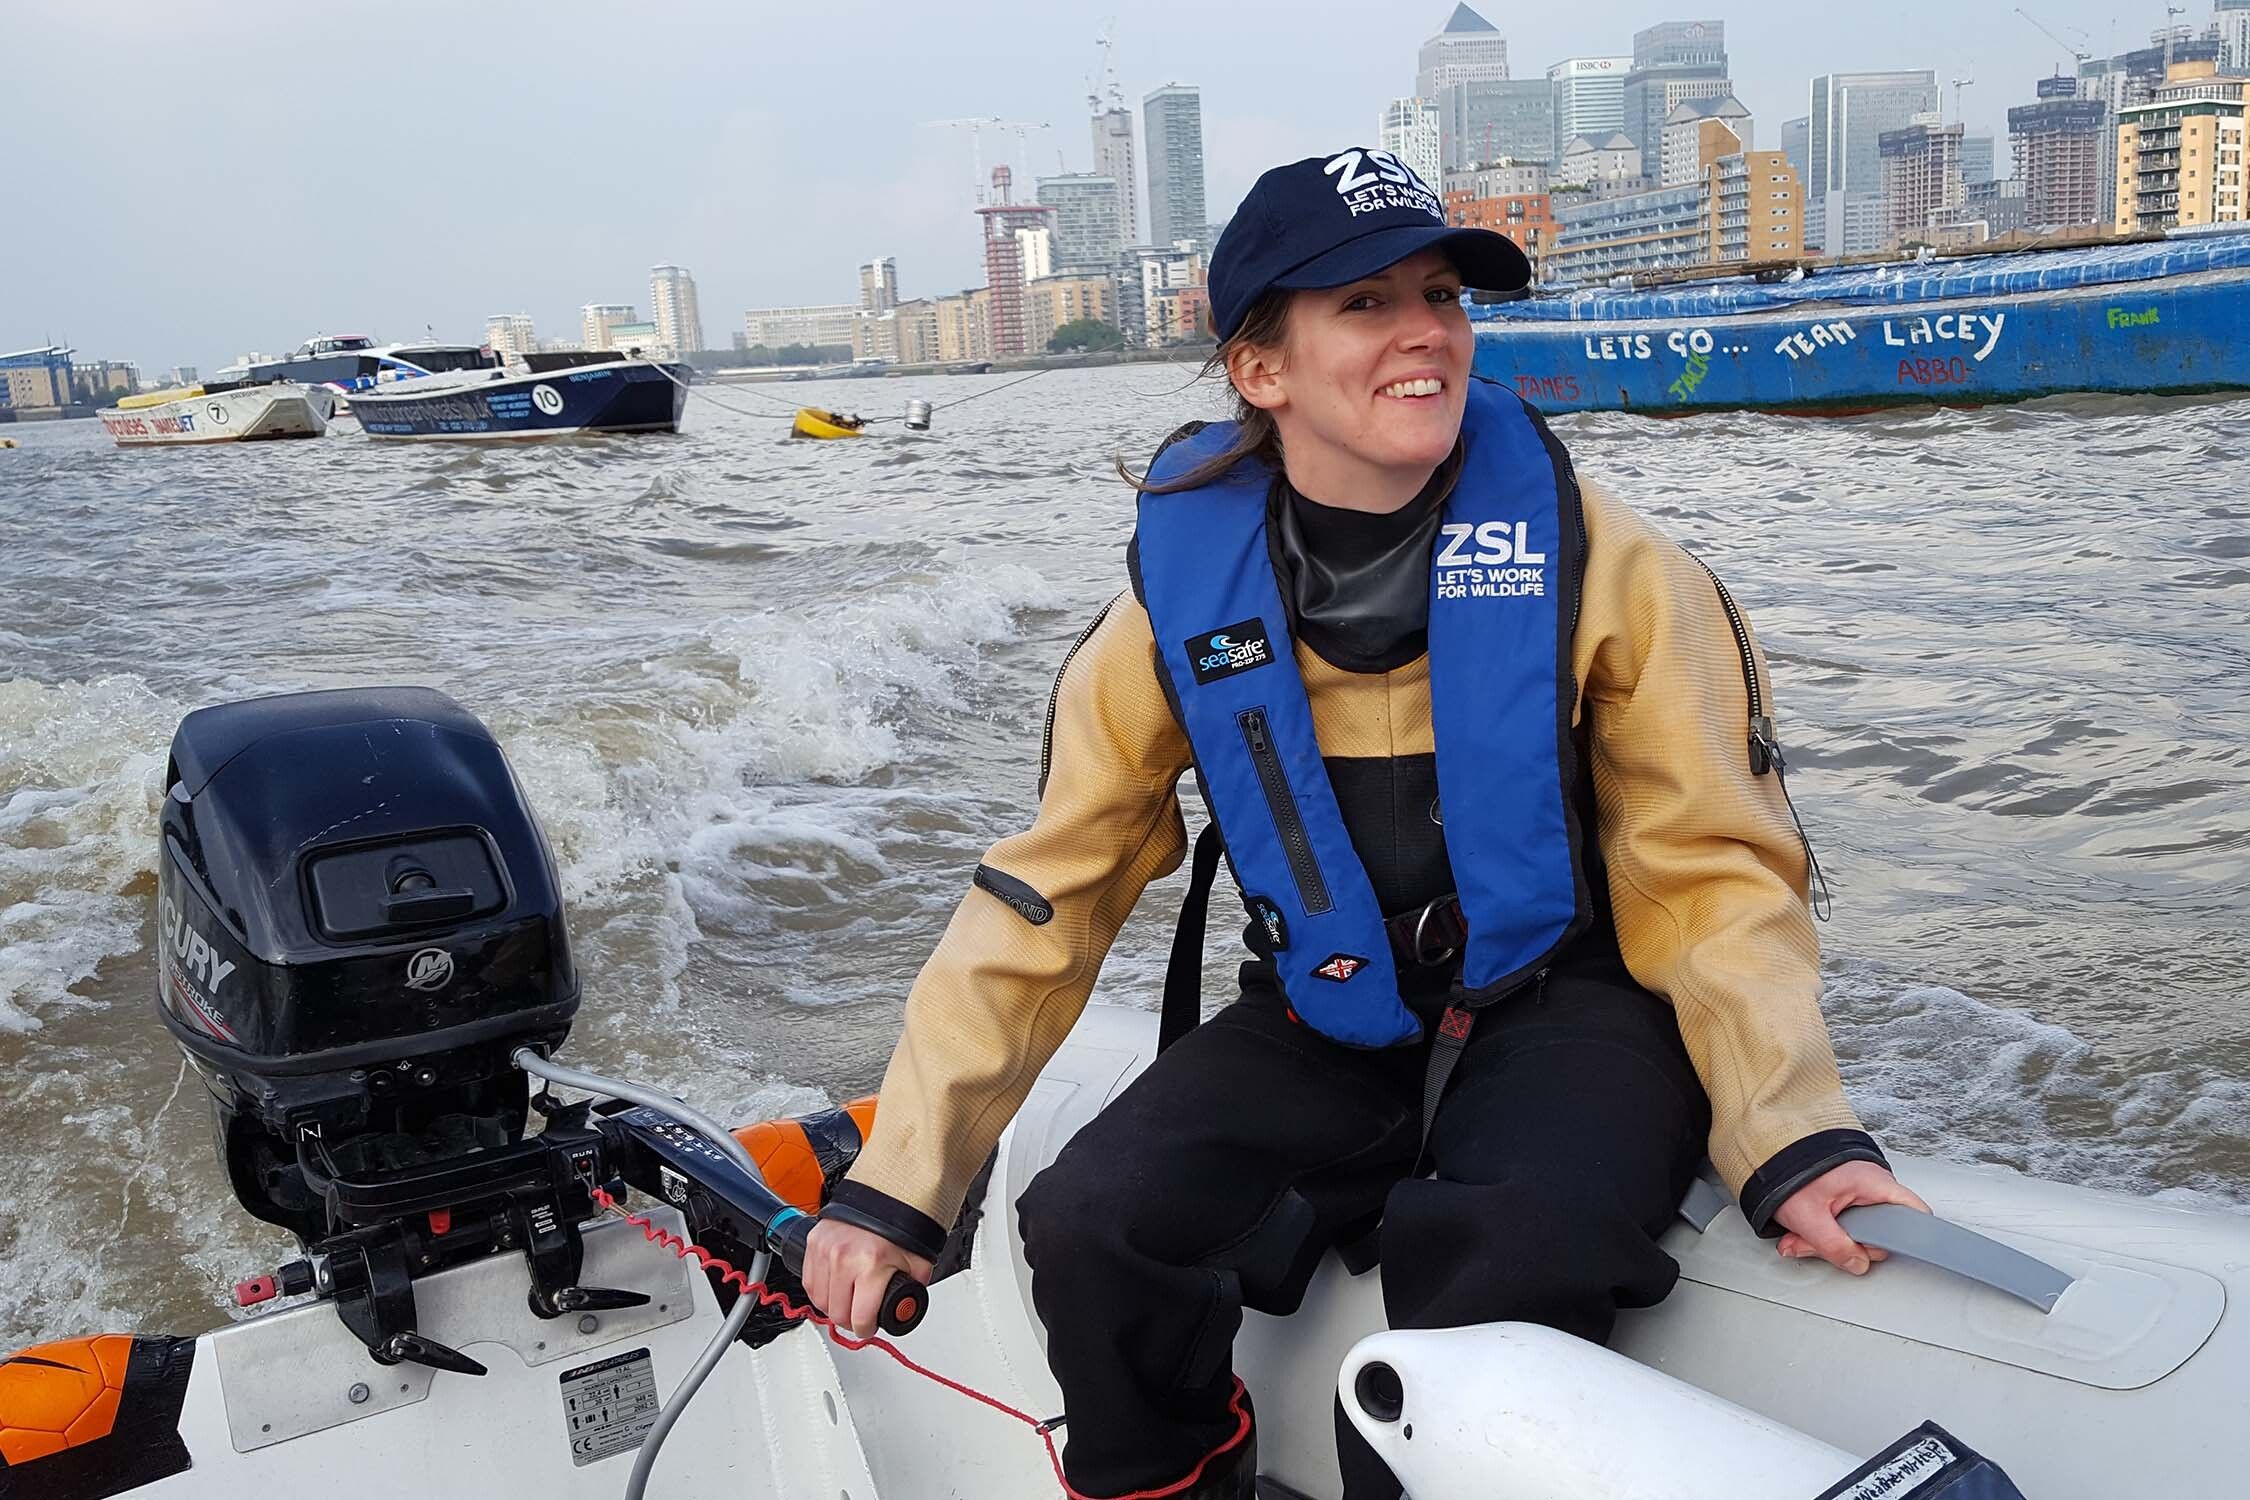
(847, 1270)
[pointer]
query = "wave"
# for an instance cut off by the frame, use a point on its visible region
(81, 778)
(1936, 1072)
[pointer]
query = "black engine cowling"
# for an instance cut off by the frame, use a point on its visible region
(359, 920)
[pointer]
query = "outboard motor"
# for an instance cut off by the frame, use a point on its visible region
(359, 922)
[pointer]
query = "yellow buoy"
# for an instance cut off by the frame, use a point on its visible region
(825, 424)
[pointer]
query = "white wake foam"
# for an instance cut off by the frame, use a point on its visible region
(81, 767)
(1936, 1072)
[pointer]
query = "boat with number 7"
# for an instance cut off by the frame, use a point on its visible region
(547, 395)
(2149, 317)
(219, 413)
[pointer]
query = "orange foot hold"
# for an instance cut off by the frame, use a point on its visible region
(56, 1396)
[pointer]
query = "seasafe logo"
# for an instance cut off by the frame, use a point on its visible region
(1493, 560)
(1229, 649)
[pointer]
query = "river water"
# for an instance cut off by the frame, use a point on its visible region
(771, 699)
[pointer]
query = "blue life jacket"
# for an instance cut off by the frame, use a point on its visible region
(1503, 603)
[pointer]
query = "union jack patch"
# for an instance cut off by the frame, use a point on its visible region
(1340, 967)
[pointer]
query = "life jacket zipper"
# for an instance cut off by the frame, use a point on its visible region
(1763, 751)
(1054, 696)
(1296, 843)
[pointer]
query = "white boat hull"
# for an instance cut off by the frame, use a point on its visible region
(250, 414)
(2132, 1385)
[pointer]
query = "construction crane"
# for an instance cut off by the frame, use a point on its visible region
(1114, 96)
(1959, 118)
(1022, 131)
(2077, 55)
(975, 127)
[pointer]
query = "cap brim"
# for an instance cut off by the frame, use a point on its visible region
(1488, 262)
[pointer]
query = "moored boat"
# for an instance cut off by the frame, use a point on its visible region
(552, 395)
(2145, 318)
(351, 362)
(218, 413)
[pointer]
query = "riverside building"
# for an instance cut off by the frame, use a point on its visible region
(2180, 155)
(672, 308)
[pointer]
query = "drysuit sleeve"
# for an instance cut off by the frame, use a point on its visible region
(1018, 961)
(1707, 873)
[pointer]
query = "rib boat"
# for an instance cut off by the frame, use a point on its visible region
(598, 1308)
(2152, 317)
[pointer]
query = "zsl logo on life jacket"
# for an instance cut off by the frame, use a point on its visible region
(1228, 650)
(1496, 542)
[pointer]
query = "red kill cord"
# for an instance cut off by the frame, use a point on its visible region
(767, 1297)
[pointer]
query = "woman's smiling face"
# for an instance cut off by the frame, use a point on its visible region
(1368, 385)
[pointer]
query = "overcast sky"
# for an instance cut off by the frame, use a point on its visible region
(185, 180)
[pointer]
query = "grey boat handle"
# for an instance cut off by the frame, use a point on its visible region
(1952, 1247)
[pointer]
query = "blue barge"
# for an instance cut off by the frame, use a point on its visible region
(2158, 317)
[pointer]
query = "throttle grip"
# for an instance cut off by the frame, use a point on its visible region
(905, 1300)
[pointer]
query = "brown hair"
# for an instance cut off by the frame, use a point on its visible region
(1264, 326)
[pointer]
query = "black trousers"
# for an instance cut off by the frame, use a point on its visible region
(1217, 1179)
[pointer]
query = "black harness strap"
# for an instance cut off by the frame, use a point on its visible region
(1183, 973)
(1446, 1047)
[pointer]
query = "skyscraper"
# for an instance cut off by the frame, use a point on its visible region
(1113, 158)
(1469, 50)
(1674, 62)
(1795, 134)
(1088, 232)
(1006, 248)
(1410, 132)
(2231, 20)
(1977, 156)
(1589, 99)
(671, 307)
(2058, 155)
(1843, 147)
(1495, 119)
(878, 284)
(1172, 128)
(1921, 167)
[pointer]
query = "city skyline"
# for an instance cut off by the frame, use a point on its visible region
(753, 173)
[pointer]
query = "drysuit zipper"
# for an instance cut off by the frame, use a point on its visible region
(1054, 696)
(1764, 753)
(1765, 750)
(1312, 890)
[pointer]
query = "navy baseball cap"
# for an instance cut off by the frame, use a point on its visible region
(1329, 220)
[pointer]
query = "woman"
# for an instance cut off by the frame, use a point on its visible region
(1528, 923)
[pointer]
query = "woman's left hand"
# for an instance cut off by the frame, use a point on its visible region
(1810, 1214)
